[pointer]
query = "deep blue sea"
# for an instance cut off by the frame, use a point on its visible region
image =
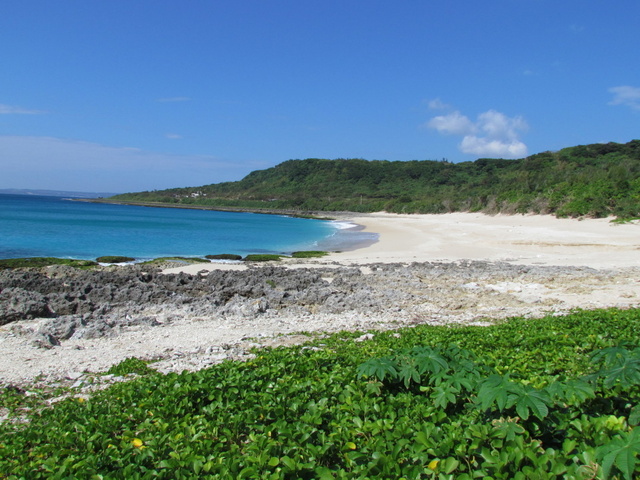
(45, 226)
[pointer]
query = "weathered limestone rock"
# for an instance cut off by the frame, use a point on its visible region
(21, 304)
(93, 304)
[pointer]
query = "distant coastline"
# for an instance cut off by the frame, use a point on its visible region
(54, 193)
(316, 215)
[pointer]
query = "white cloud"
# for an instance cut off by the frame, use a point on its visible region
(453, 123)
(174, 136)
(62, 164)
(626, 95)
(483, 146)
(437, 104)
(13, 110)
(498, 125)
(492, 134)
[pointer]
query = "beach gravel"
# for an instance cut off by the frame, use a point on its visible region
(61, 322)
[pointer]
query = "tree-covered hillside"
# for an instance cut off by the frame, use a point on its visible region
(594, 180)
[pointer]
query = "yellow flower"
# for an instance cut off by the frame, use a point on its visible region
(136, 442)
(433, 464)
(81, 400)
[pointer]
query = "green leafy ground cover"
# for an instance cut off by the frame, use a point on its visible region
(114, 259)
(39, 262)
(309, 254)
(263, 257)
(524, 399)
(224, 256)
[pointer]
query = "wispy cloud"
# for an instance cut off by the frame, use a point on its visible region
(14, 110)
(64, 164)
(173, 99)
(626, 95)
(174, 136)
(492, 134)
(437, 104)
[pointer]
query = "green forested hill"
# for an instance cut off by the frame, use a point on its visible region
(593, 180)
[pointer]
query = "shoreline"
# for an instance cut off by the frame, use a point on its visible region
(65, 325)
(318, 215)
(402, 238)
(454, 237)
(519, 239)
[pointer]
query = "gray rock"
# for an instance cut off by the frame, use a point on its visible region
(91, 304)
(364, 338)
(62, 328)
(42, 340)
(19, 304)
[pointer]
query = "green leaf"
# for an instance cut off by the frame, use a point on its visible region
(627, 374)
(373, 387)
(450, 464)
(429, 360)
(379, 368)
(621, 452)
(443, 395)
(507, 428)
(577, 389)
(289, 462)
(612, 356)
(408, 373)
(532, 400)
(634, 415)
(461, 380)
(495, 388)
(620, 366)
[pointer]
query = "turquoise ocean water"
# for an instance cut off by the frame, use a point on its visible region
(39, 226)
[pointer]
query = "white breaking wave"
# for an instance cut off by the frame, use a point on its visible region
(342, 225)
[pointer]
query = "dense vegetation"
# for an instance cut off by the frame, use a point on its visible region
(525, 399)
(114, 259)
(588, 180)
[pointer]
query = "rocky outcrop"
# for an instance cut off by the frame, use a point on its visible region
(90, 304)
(19, 304)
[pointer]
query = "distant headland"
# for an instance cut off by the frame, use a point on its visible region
(598, 180)
(54, 193)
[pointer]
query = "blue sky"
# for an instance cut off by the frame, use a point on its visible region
(135, 95)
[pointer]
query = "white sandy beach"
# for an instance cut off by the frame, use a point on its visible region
(521, 239)
(543, 252)
(518, 239)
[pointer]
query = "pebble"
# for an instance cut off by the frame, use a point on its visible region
(192, 321)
